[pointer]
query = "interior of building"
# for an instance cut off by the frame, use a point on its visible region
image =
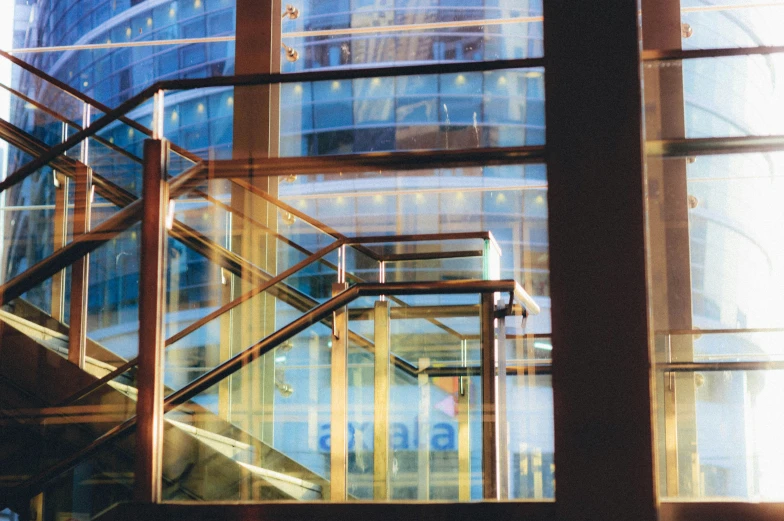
(391, 258)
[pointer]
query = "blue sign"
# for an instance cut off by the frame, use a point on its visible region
(442, 436)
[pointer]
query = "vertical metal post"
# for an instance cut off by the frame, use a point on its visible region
(60, 232)
(338, 432)
(489, 425)
(381, 411)
(601, 339)
(158, 109)
(423, 421)
(80, 270)
(463, 429)
(149, 407)
(256, 135)
(60, 238)
(500, 408)
(668, 247)
(342, 264)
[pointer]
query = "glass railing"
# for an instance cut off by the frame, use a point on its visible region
(412, 423)
(258, 302)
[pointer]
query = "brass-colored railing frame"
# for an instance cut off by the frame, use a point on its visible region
(268, 79)
(318, 256)
(90, 101)
(253, 352)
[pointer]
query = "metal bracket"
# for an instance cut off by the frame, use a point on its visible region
(291, 12)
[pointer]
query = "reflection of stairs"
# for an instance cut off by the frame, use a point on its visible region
(34, 382)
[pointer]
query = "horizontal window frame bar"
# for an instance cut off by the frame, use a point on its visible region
(257, 80)
(720, 511)
(655, 55)
(712, 146)
(690, 367)
(372, 162)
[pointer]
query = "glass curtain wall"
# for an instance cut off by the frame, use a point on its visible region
(111, 51)
(713, 99)
(426, 112)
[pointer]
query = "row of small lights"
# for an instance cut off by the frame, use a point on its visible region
(460, 79)
(419, 198)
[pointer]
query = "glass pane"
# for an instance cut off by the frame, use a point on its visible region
(255, 434)
(510, 202)
(38, 121)
(198, 123)
(731, 24)
(216, 340)
(733, 425)
(96, 484)
(439, 111)
(29, 221)
(717, 251)
(40, 91)
(269, 424)
(728, 96)
(113, 302)
(342, 33)
(529, 406)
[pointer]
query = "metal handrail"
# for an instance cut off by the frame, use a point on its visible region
(90, 101)
(519, 294)
(375, 161)
(268, 79)
(62, 119)
(229, 260)
(253, 352)
(78, 248)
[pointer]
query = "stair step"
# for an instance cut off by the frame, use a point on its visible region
(53, 340)
(297, 488)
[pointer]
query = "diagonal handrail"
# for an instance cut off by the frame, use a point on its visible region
(237, 362)
(62, 119)
(79, 247)
(199, 243)
(285, 78)
(231, 261)
(319, 257)
(35, 71)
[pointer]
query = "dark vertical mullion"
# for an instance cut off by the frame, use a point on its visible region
(601, 360)
(152, 295)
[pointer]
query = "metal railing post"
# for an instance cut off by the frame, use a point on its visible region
(423, 420)
(339, 425)
(382, 384)
(149, 408)
(489, 390)
(464, 428)
(60, 238)
(80, 271)
(500, 407)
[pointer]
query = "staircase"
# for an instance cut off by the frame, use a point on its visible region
(68, 428)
